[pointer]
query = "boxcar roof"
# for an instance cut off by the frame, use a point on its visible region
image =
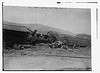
(15, 27)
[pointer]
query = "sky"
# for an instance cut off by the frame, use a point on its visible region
(75, 20)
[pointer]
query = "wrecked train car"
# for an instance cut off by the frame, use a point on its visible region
(13, 34)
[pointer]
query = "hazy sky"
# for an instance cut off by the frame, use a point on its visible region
(75, 20)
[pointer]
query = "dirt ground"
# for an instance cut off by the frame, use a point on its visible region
(43, 58)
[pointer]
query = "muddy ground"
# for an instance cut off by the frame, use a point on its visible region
(44, 58)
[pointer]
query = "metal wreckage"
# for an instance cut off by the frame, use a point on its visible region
(21, 36)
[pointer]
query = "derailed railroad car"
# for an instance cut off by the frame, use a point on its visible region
(13, 34)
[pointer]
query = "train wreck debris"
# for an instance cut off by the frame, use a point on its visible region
(16, 36)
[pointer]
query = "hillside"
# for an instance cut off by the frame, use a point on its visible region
(44, 29)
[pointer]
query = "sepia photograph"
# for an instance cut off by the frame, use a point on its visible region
(46, 38)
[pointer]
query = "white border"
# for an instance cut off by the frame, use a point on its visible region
(52, 3)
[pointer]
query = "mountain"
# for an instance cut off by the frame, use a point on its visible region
(39, 27)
